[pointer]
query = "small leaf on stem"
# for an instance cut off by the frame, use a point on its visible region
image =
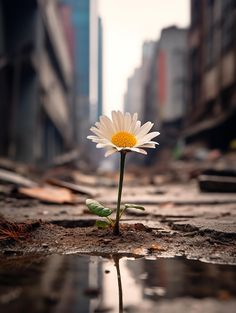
(102, 224)
(98, 209)
(134, 206)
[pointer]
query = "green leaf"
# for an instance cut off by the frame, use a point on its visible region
(134, 206)
(98, 209)
(102, 224)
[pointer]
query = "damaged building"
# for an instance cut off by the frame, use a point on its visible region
(211, 115)
(36, 79)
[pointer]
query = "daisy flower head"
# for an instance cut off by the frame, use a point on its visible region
(123, 132)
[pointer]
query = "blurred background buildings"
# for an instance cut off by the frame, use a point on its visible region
(87, 43)
(211, 109)
(36, 80)
(186, 83)
(50, 76)
(51, 79)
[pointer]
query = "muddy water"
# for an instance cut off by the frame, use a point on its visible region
(87, 284)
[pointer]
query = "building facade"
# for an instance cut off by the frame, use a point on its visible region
(35, 82)
(135, 92)
(157, 89)
(150, 93)
(100, 68)
(171, 64)
(166, 84)
(212, 73)
(172, 73)
(133, 98)
(88, 64)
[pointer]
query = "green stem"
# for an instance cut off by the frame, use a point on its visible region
(121, 212)
(110, 220)
(116, 230)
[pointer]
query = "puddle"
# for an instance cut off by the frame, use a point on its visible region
(87, 284)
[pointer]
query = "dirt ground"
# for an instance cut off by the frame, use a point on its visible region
(178, 221)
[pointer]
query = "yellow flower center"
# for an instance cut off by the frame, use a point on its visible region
(124, 139)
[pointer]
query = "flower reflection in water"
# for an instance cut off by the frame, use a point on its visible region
(89, 284)
(117, 265)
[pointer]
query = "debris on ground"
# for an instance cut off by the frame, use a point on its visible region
(217, 181)
(179, 219)
(16, 179)
(81, 189)
(12, 231)
(49, 194)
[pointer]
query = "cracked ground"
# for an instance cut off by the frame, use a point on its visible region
(178, 220)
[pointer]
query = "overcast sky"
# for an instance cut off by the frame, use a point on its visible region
(127, 24)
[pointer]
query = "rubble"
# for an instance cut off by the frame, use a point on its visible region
(217, 181)
(178, 219)
(16, 179)
(49, 194)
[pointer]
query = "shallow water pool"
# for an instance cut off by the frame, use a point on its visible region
(81, 284)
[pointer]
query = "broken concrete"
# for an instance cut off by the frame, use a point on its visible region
(178, 220)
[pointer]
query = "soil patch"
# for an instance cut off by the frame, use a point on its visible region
(135, 239)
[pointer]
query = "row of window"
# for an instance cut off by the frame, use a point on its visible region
(217, 29)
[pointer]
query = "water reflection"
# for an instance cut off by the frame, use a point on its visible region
(69, 284)
(120, 291)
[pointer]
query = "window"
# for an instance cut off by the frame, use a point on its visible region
(227, 24)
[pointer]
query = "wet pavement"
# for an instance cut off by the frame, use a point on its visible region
(75, 283)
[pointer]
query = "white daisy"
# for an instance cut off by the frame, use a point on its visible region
(123, 132)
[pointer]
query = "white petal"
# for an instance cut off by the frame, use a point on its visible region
(144, 129)
(110, 152)
(138, 150)
(92, 137)
(95, 139)
(120, 118)
(153, 142)
(104, 145)
(133, 123)
(100, 127)
(106, 131)
(127, 121)
(148, 137)
(135, 117)
(107, 123)
(120, 148)
(103, 128)
(148, 145)
(100, 133)
(137, 127)
(115, 120)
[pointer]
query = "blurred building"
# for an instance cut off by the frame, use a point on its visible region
(171, 83)
(150, 95)
(149, 80)
(157, 89)
(212, 98)
(100, 68)
(133, 98)
(88, 64)
(166, 84)
(172, 73)
(35, 82)
(134, 95)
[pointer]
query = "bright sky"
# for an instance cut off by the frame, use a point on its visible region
(127, 24)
